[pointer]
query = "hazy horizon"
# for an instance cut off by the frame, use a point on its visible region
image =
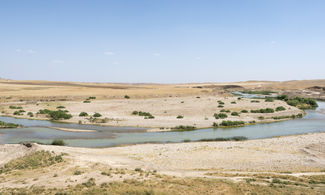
(162, 41)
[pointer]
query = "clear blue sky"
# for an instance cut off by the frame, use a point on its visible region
(167, 41)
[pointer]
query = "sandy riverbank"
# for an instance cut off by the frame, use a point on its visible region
(197, 111)
(292, 154)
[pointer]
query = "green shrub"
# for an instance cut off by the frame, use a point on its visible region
(58, 142)
(180, 117)
(261, 118)
(127, 97)
(269, 99)
(220, 115)
(215, 124)
(96, 115)
(44, 111)
(220, 106)
(135, 112)
(280, 108)
(234, 114)
(30, 114)
(8, 125)
(255, 101)
(83, 114)
(183, 128)
(266, 110)
(59, 114)
(86, 101)
(233, 103)
(231, 123)
(223, 110)
(15, 107)
(60, 107)
(244, 111)
(92, 98)
(18, 113)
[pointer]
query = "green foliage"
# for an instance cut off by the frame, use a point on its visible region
(30, 114)
(15, 107)
(18, 112)
(220, 106)
(233, 103)
(59, 114)
(44, 111)
(96, 115)
(86, 101)
(299, 102)
(58, 142)
(244, 111)
(269, 99)
(8, 125)
(60, 107)
(263, 92)
(180, 117)
(235, 138)
(83, 114)
(33, 161)
(234, 114)
(146, 115)
(255, 101)
(92, 98)
(232, 123)
(183, 128)
(127, 97)
(223, 110)
(266, 110)
(261, 118)
(220, 115)
(215, 124)
(280, 108)
(221, 102)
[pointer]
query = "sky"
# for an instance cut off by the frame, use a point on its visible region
(162, 41)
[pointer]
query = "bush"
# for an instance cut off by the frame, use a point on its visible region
(8, 125)
(86, 101)
(92, 98)
(96, 115)
(255, 101)
(146, 115)
(180, 117)
(233, 103)
(127, 97)
(135, 113)
(83, 114)
(30, 114)
(261, 118)
(44, 111)
(232, 123)
(244, 111)
(183, 128)
(15, 107)
(266, 110)
(269, 99)
(220, 106)
(60, 107)
(215, 124)
(223, 110)
(280, 108)
(220, 115)
(234, 114)
(59, 114)
(58, 142)
(18, 113)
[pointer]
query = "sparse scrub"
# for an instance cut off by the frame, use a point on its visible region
(255, 101)
(86, 101)
(32, 161)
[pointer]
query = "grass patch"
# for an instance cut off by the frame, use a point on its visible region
(8, 125)
(32, 161)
